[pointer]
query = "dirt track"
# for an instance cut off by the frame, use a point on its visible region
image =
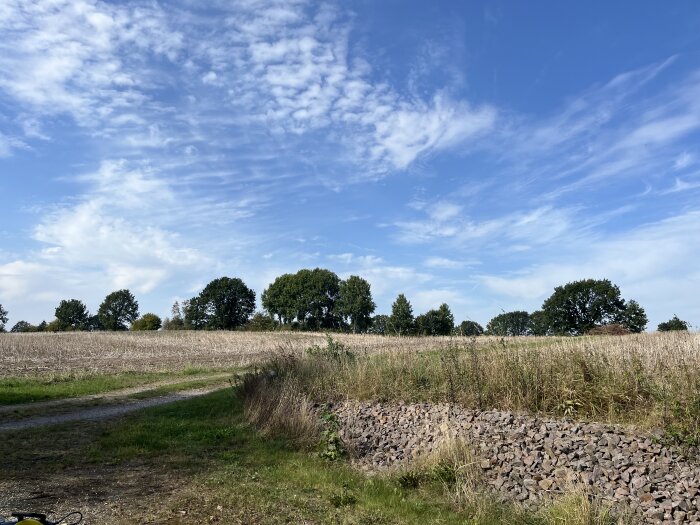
(103, 412)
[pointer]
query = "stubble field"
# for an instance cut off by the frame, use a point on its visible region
(203, 456)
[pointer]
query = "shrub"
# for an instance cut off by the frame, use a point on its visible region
(673, 324)
(147, 322)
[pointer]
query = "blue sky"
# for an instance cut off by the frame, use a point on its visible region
(474, 153)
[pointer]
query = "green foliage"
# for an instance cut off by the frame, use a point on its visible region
(53, 326)
(147, 322)
(577, 307)
(381, 325)
(71, 315)
(355, 302)
(3, 318)
(672, 324)
(261, 322)
(118, 309)
(195, 311)
(539, 324)
(280, 298)
(469, 329)
(177, 321)
(93, 323)
(331, 445)
(402, 322)
(309, 297)
(634, 317)
(41, 327)
(343, 498)
(510, 324)
(334, 350)
(683, 422)
(227, 303)
(23, 326)
(435, 322)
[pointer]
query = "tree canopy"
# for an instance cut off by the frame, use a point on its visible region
(435, 322)
(23, 326)
(577, 307)
(510, 324)
(469, 329)
(672, 324)
(401, 319)
(71, 314)
(3, 318)
(381, 325)
(118, 310)
(309, 296)
(195, 311)
(634, 318)
(227, 303)
(261, 322)
(355, 302)
(147, 322)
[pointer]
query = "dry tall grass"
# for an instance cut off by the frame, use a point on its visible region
(279, 410)
(647, 379)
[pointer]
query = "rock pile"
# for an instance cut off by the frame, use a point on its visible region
(526, 457)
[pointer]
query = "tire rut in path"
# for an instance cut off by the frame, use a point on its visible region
(112, 394)
(104, 412)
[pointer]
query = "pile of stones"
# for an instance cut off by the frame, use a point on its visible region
(527, 458)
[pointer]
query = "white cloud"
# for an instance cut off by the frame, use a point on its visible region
(294, 73)
(653, 264)
(424, 300)
(9, 144)
(116, 235)
(209, 78)
(361, 261)
(443, 262)
(683, 160)
(445, 222)
(79, 57)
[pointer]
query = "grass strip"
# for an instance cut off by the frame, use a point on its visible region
(29, 390)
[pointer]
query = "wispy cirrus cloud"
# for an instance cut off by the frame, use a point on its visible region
(81, 58)
(289, 67)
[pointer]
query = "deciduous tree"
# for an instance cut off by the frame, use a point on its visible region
(672, 324)
(118, 310)
(147, 322)
(71, 314)
(381, 324)
(469, 329)
(23, 326)
(355, 302)
(228, 303)
(509, 324)
(402, 322)
(575, 308)
(195, 314)
(3, 318)
(634, 318)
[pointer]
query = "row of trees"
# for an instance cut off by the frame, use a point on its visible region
(574, 309)
(319, 300)
(118, 311)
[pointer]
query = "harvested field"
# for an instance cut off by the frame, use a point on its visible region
(32, 354)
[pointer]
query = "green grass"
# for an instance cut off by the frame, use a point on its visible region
(266, 480)
(29, 390)
(179, 387)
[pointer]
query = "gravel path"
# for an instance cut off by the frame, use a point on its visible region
(104, 412)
